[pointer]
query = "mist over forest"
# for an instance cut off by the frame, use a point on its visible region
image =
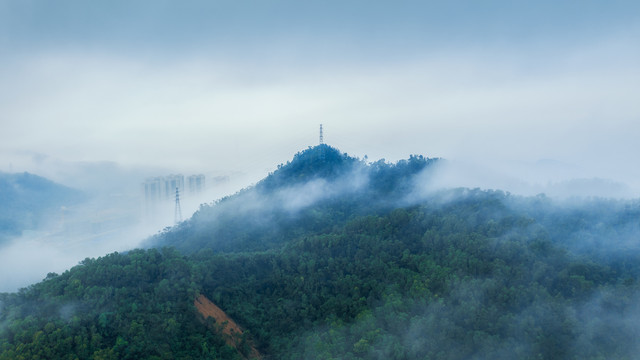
(332, 256)
(48, 227)
(479, 198)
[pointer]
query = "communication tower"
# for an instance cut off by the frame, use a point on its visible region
(178, 212)
(321, 144)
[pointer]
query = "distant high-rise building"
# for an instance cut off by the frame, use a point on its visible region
(178, 210)
(160, 189)
(196, 184)
(153, 189)
(172, 182)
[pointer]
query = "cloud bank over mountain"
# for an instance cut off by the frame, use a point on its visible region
(183, 86)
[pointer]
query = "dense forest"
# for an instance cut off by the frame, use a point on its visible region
(330, 257)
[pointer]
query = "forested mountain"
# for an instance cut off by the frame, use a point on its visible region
(28, 200)
(332, 257)
(315, 192)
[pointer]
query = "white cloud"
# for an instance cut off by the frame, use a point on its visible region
(575, 105)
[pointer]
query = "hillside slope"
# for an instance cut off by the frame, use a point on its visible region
(225, 326)
(362, 269)
(319, 189)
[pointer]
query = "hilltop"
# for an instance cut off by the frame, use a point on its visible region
(318, 189)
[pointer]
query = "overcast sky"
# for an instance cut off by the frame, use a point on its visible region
(228, 86)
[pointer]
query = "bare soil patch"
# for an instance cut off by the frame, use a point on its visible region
(223, 323)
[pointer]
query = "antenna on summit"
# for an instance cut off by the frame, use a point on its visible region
(321, 143)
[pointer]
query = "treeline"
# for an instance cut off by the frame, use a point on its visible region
(467, 279)
(318, 190)
(137, 305)
(315, 267)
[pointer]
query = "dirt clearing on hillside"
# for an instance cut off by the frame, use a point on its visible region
(230, 330)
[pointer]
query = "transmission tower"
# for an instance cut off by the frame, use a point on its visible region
(321, 145)
(178, 212)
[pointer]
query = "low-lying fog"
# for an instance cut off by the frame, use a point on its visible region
(549, 177)
(115, 218)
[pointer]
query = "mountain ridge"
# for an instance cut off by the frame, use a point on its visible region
(28, 199)
(320, 177)
(357, 273)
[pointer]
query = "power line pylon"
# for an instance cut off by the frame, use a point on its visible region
(178, 212)
(321, 144)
